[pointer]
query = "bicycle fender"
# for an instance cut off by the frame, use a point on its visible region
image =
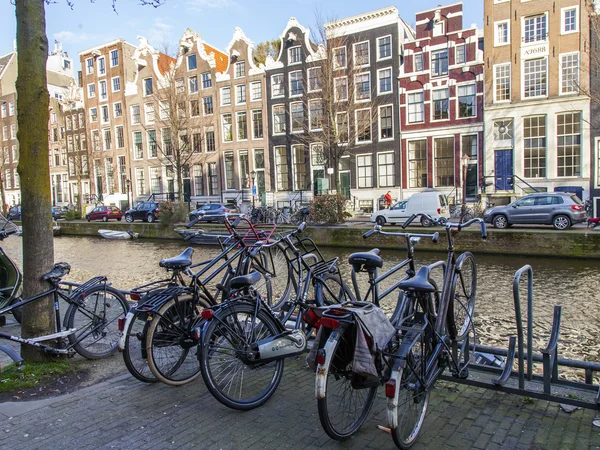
(321, 380)
(128, 318)
(392, 403)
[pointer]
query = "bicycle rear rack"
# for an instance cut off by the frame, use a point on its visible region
(322, 267)
(88, 284)
(154, 301)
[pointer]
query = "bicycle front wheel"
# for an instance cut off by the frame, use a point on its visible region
(347, 399)
(170, 343)
(230, 376)
(464, 288)
(134, 351)
(276, 283)
(94, 318)
(334, 290)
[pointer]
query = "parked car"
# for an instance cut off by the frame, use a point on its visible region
(104, 213)
(557, 208)
(213, 212)
(146, 211)
(14, 213)
(433, 203)
(58, 212)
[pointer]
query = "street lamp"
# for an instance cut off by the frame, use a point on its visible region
(465, 165)
(128, 184)
(253, 176)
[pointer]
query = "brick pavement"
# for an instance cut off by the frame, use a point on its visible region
(124, 413)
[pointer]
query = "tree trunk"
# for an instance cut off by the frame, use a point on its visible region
(32, 107)
(3, 193)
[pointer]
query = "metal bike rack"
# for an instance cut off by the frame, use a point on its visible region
(520, 349)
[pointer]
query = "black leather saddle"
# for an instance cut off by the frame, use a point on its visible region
(245, 281)
(58, 271)
(366, 260)
(418, 283)
(181, 261)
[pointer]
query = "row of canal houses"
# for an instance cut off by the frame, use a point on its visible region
(378, 106)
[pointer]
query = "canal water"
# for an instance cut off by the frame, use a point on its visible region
(574, 284)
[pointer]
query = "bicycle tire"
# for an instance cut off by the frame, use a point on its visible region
(276, 269)
(462, 302)
(343, 409)
(222, 352)
(334, 291)
(134, 351)
(169, 340)
(103, 328)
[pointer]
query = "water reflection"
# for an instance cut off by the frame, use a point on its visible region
(571, 283)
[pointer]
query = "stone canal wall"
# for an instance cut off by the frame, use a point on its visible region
(574, 243)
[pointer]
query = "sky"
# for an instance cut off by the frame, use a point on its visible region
(90, 24)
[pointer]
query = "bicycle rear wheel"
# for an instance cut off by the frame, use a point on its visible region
(276, 283)
(346, 403)
(464, 288)
(134, 351)
(333, 291)
(94, 317)
(229, 375)
(170, 343)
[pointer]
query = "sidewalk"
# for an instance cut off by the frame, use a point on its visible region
(124, 413)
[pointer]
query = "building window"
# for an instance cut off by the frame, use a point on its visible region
(296, 87)
(418, 62)
(297, 116)
(206, 80)
(95, 140)
(314, 79)
(503, 130)
(4, 112)
(417, 164)
(256, 91)
(149, 113)
(295, 55)
(569, 144)
(101, 66)
(135, 114)
(384, 47)
(213, 180)
(105, 114)
(441, 104)
(439, 63)
(277, 87)
(198, 180)
(502, 33)
(385, 80)
(363, 125)
(225, 96)
(469, 146)
(227, 128)
(315, 114)
(386, 130)
(193, 84)
(362, 84)
(444, 162)
(364, 167)
(194, 108)
(191, 62)
(534, 129)
(91, 91)
(244, 169)
(385, 169)
(120, 137)
(240, 94)
(535, 28)
(118, 109)
(210, 141)
(114, 58)
(240, 69)
(339, 57)
(89, 64)
(502, 82)
(147, 87)
(569, 73)
(116, 84)
(167, 142)
(103, 90)
(141, 182)
(461, 54)
(197, 142)
(281, 166)
(107, 139)
(361, 54)
(257, 124)
(438, 29)
(535, 81)
(229, 170)
(207, 105)
(279, 119)
(416, 107)
(341, 89)
(569, 24)
(299, 168)
(342, 127)
(242, 126)
(467, 98)
(152, 145)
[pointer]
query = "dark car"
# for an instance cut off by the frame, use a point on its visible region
(58, 212)
(14, 213)
(104, 213)
(212, 212)
(146, 211)
(546, 208)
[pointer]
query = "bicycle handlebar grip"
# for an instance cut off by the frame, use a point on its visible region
(369, 233)
(237, 221)
(409, 221)
(193, 222)
(436, 237)
(483, 230)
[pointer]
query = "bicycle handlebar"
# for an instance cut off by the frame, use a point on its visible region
(194, 220)
(377, 229)
(427, 216)
(460, 226)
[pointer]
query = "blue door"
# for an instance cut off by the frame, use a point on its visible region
(504, 170)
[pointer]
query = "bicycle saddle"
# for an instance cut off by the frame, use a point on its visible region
(58, 271)
(244, 281)
(418, 283)
(368, 260)
(181, 261)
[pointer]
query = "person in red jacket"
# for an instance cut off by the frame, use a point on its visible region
(387, 199)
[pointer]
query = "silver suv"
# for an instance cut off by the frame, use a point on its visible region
(559, 209)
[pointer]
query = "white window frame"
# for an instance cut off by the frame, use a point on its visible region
(357, 142)
(497, 43)
(187, 61)
(560, 73)
(291, 125)
(89, 92)
(236, 94)
(310, 127)
(523, 79)
(252, 111)
(464, 47)
(358, 66)
(252, 98)
(356, 97)
(290, 55)
(385, 58)
(280, 133)
(236, 65)
(302, 148)
(282, 84)
(223, 89)
(100, 84)
(379, 92)
(379, 138)
(432, 108)
(115, 109)
(372, 171)
(290, 83)
(223, 128)
(146, 109)
(100, 58)
(111, 58)
(102, 109)
(308, 71)
(335, 91)
(92, 116)
(189, 85)
(422, 92)
(112, 84)
(379, 185)
(144, 87)
(495, 80)
(335, 66)
(139, 114)
(422, 58)
(562, 19)
(88, 66)
(475, 110)
(524, 18)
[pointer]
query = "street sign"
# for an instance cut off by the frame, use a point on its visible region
(254, 190)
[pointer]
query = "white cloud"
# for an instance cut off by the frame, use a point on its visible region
(160, 33)
(199, 5)
(70, 37)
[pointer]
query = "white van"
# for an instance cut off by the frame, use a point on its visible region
(433, 203)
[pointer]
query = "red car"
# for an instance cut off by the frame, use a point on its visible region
(105, 213)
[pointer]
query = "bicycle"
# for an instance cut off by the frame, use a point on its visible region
(429, 336)
(90, 324)
(244, 342)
